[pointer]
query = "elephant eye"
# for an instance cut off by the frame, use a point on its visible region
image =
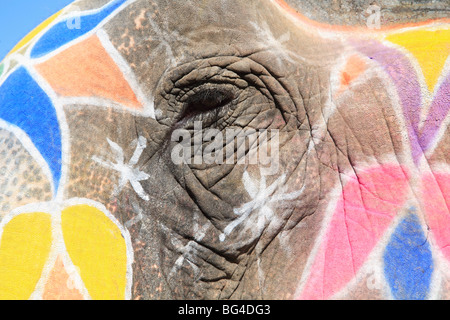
(206, 101)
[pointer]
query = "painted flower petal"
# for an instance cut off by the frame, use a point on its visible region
(431, 55)
(430, 49)
(97, 247)
(59, 284)
(408, 263)
(436, 200)
(439, 110)
(66, 74)
(25, 105)
(24, 249)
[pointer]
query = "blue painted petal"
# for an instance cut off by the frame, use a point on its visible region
(24, 104)
(61, 33)
(408, 263)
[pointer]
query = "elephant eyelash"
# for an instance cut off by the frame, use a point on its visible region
(208, 101)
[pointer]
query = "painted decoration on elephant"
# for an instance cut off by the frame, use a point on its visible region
(383, 218)
(74, 251)
(63, 248)
(376, 219)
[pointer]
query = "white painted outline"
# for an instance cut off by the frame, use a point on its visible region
(12, 70)
(340, 34)
(397, 107)
(427, 98)
(57, 246)
(335, 196)
(86, 103)
(64, 130)
(444, 126)
(375, 70)
(31, 149)
(5, 73)
(374, 260)
(57, 249)
(128, 74)
(63, 126)
(123, 230)
(105, 103)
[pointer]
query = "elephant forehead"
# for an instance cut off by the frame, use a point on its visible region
(156, 18)
(210, 27)
(156, 36)
(353, 12)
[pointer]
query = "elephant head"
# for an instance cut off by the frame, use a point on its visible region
(224, 149)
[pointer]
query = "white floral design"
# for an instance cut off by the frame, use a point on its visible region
(128, 172)
(275, 45)
(189, 251)
(263, 199)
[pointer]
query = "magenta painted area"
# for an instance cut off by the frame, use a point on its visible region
(400, 70)
(436, 202)
(367, 206)
(439, 110)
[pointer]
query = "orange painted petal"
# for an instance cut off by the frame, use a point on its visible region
(87, 70)
(354, 67)
(58, 286)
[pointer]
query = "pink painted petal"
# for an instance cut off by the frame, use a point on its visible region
(436, 197)
(367, 206)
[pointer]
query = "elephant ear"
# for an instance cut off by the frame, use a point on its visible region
(355, 13)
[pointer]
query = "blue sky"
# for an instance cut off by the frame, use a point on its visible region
(18, 17)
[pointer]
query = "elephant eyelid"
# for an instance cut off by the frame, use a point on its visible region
(205, 101)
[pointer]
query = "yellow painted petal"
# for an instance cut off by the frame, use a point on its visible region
(96, 246)
(35, 32)
(431, 48)
(24, 248)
